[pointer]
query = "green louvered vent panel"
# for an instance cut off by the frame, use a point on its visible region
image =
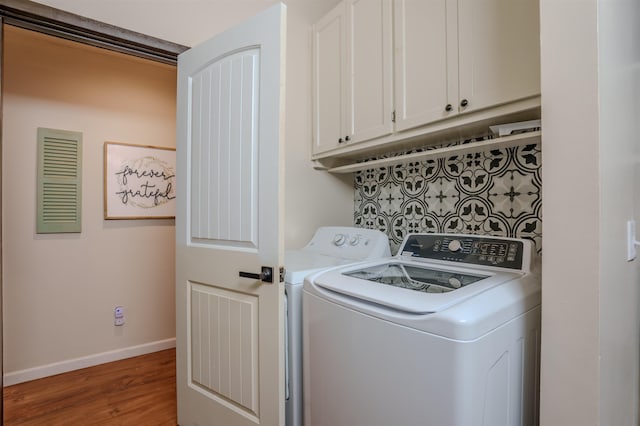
(59, 181)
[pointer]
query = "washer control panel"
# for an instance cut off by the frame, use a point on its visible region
(472, 249)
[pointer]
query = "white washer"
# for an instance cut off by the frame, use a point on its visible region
(447, 332)
(330, 246)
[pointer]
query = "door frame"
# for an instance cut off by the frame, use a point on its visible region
(48, 20)
(58, 23)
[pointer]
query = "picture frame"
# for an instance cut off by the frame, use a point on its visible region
(139, 181)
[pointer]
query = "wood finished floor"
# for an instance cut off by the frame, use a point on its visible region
(134, 391)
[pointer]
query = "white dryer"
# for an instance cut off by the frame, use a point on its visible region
(330, 246)
(447, 332)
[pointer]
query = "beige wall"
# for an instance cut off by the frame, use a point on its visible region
(312, 198)
(619, 148)
(571, 214)
(590, 155)
(50, 318)
(590, 307)
(60, 289)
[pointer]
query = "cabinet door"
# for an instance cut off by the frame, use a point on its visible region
(329, 72)
(426, 61)
(369, 53)
(499, 42)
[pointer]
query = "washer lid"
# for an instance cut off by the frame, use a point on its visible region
(410, 286)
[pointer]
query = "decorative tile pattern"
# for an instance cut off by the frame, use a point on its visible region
(496, 192)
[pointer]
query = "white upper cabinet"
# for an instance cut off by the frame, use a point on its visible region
(430, 64)
(352, 74)
(329, 80)
(369, 81)
(499, 51)
(460, 56)
(426, 61)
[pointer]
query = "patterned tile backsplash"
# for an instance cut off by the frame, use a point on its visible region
(496, 192)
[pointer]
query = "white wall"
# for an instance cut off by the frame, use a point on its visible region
(60, 289)
(590, 330)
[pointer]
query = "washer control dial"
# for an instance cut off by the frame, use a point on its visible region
(339, 240)
(355, 240)
(455, 282)
(455, 246)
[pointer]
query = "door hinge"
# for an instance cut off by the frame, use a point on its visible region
(282, 273)
(393, 116)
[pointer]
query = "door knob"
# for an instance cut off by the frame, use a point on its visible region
(464, 103)
(448, 108)
(266, 275)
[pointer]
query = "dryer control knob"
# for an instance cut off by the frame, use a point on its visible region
(339, 240)
(454, 246)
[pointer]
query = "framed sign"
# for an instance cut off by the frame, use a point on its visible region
(139, 181)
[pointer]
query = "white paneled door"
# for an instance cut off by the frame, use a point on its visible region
(229, 332)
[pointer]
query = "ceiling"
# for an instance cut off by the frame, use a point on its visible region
(186, 22)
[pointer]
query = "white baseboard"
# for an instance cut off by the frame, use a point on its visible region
(85, 361)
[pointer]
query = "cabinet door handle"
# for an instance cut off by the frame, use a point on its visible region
(347, 138)
(464, 103)
(448, 108)
(266, 275)
(340, 140)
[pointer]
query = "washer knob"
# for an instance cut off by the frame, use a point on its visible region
(455, 282)
(355, 240)
(339, 240)
(454, 246)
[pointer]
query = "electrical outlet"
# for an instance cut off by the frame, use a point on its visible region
(118, 315)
